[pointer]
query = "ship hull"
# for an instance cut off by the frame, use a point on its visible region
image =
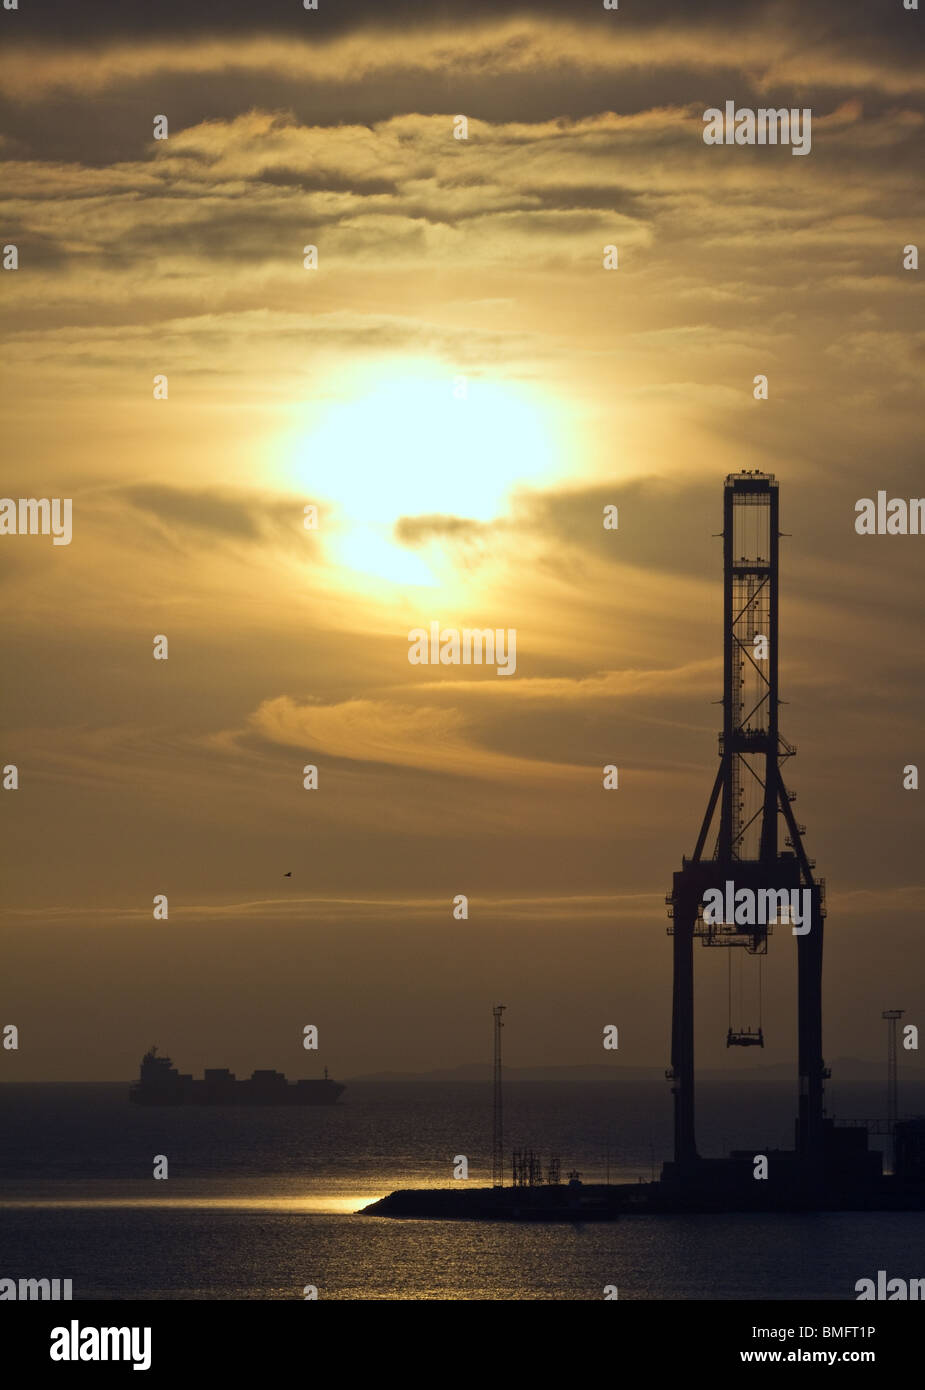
(161, 1084)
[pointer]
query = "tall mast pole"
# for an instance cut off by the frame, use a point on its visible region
(497, 1136)
(892, 1084)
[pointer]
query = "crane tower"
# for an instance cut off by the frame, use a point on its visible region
(749, 836)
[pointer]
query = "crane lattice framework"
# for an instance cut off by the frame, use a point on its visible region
(747, 799)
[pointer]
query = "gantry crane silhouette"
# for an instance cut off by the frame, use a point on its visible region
(746, 806)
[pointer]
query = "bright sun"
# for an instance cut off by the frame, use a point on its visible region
(412, 447)
(420, 445)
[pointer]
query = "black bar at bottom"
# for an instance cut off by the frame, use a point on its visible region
(231, 1342)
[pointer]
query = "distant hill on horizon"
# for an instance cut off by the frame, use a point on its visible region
(843, 1069)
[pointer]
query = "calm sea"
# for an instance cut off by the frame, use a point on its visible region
(261, 1202)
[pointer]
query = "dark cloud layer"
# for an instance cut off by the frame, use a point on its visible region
(63, 20)
(678, 65)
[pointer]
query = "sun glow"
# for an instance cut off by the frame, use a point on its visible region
(372, 550)
(427, 444)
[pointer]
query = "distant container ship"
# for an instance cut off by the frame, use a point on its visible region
(161, 1084)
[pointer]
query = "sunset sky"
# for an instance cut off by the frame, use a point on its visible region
(442, 259)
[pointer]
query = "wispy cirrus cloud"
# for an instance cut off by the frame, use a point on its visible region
(436, 739)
